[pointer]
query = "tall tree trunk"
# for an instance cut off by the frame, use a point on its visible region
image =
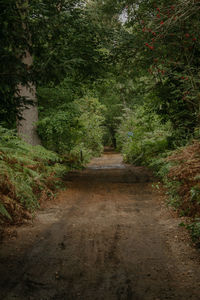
(27, 125)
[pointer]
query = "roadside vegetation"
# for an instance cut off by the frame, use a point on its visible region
(29, 175)
(161, 128)
(67, 59)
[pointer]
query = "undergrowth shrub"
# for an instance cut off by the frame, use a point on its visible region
(185, 170)
(180, 173)
(145, 140)
(91, 120)
(60, 130)
(28, 176)
(74, 130)
(142, 136)
(194, 229)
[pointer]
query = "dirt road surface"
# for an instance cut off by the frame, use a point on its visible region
(107, 236)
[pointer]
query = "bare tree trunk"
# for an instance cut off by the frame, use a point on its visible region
(26, 127)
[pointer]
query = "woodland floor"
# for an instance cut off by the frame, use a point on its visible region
(107, 236)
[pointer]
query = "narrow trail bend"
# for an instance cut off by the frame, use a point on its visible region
(107, 236)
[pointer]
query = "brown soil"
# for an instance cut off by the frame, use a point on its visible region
(107, 236)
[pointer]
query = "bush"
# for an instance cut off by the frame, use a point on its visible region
(74, 128)
(143, 139)
(61, 130)
(141, 136)
(194, 229)
(28, 176)
(185, 164)
(91, 120)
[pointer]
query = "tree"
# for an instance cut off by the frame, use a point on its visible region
(26, 124)
(60, 38)
(161, 42)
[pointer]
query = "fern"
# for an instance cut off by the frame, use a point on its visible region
(4, 212)
(26, 171)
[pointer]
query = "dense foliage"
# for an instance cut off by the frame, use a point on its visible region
(162, 41)
(74, 128)
(29, 175)
(142, 135)
(160, 49)
(63, 40)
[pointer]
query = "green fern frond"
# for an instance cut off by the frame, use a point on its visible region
(4, 212)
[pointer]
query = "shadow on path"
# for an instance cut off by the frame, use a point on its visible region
(107, 236)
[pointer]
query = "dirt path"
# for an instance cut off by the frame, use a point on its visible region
(108, 236)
